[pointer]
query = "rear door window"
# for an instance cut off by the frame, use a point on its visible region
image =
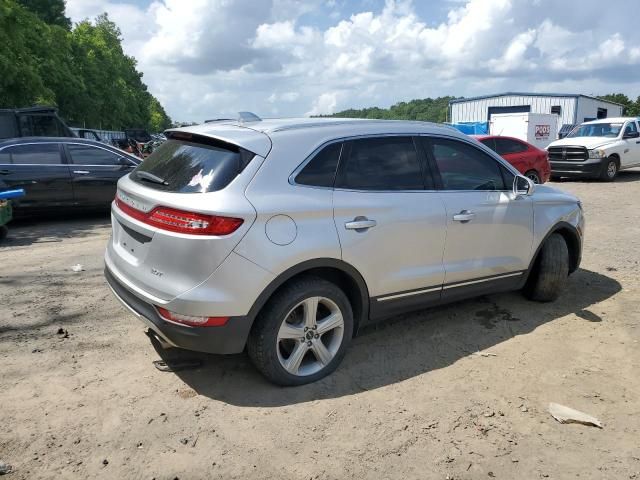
(189, 167)
(489, 142)
(506, 146)
(35, 154)
(8, 125)
(321, 169)
(90, 155)
(385, 163)
(464, 167)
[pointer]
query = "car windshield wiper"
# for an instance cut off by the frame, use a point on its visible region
(150, 177)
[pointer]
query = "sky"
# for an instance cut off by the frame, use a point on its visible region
(212, 58)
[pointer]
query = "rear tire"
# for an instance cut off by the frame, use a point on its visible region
(3, 232)
(285, 330)
(533, 176)
(549, 276)
(609, 169)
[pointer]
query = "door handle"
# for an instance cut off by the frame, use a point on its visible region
(360, 224)
(81, 172)
(5, 172)
(464, 216)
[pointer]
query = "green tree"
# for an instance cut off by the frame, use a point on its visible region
(49, 11)
(631, 108)
(427, 109)
(84, 72)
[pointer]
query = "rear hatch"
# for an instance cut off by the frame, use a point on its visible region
(181, 213)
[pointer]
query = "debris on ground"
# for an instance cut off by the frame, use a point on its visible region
(484, 354)
(105, 462)
(63, 333)
(177, 365)
(565, 414)
(77, 268)
(5, 468)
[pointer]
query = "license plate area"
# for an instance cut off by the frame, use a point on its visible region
(132, 245)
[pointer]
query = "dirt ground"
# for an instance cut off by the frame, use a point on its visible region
(410, 400)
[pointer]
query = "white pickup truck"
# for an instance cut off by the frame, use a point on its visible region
(597, 149)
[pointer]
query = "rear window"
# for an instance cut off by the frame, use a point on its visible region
(186, 167)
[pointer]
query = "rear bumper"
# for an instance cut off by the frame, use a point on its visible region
(227, 339)
(576, 169)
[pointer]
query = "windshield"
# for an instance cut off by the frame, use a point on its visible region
(611, 130)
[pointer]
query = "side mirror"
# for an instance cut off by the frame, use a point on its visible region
(523, 186)
(126, 163)
(631, 135)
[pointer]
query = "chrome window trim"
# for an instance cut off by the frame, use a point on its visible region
(100, 147)
(61, 164)
(65, 164)
(312, 155)
(483, 148)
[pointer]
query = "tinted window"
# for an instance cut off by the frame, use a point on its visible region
(40, 126)
(7, 125)
(464, 167)
(36, 154)
(631, 128)
(388, 163)
(505, 146)
(187, 167)
(489, 142)
(88, 155)
(321, 170)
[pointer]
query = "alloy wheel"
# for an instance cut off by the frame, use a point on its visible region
(533, 176)
(310, 336)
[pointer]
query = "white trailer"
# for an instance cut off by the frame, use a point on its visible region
(539, 129)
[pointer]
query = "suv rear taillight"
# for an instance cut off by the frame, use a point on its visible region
(181, 221)
(191, 320)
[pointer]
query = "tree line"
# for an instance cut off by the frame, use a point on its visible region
(436, 109)
(80, 69)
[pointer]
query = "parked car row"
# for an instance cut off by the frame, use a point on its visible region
(62, 172)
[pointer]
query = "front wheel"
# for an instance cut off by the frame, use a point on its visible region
(302, 334)
(548, 277)
(609, 170)
(533, 176)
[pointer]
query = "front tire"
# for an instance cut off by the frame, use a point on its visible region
(302, 333)
(609, 170)
(549, 276)
(533, 176)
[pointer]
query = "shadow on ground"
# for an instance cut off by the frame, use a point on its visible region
(53, 228)
(625, 176)
(401, 348)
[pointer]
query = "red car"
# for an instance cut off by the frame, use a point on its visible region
(528, 160)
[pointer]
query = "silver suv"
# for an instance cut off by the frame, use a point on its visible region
(287, 236)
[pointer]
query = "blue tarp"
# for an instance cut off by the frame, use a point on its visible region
(472, 128)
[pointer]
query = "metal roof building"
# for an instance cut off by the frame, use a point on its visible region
(570, 108)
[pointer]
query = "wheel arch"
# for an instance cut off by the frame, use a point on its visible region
(571, 237)
(336, 271)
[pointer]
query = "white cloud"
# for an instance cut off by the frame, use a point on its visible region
(324, 104)
(288, 57)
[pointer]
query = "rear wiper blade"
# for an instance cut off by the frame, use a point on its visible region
(142, 175)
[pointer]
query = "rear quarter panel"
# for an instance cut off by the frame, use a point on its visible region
(294, 223)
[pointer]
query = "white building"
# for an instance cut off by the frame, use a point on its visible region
(570, 108)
